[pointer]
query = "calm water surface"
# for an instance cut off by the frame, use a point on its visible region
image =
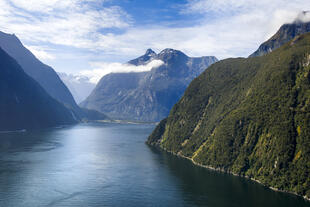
(109, 165)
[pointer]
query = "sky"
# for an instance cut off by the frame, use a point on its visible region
(94, 37)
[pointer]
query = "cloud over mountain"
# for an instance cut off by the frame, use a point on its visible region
(103, 68)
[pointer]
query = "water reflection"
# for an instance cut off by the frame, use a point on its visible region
(110, 165)
(203, 187)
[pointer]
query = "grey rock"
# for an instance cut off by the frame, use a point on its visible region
(147, 96)
(286, 33)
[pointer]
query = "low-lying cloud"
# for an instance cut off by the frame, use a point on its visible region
(304, 16)
(102, 69)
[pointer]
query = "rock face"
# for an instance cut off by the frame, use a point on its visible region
(147, 96)
(24, 104)
(286, 33)
(43, 74)
(248, 116)
(147, 57)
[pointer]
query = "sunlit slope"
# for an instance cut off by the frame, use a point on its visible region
(248, 116)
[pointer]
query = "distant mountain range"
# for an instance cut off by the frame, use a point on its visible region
(286, 33)
(80, 86)
(44, 75)
(147, 96)
(24, 104)
(249, 116)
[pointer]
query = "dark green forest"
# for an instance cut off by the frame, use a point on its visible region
(248, 116)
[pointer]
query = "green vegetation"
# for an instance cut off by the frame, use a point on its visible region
(248, 116)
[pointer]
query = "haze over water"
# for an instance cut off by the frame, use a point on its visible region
(110, 165)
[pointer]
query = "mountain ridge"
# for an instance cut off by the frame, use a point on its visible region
(249, 117)
(24, 104)
(286, 33)
(147, 96)
(43, 74)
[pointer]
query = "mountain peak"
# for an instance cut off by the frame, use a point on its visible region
(150, 52)
(144, 59)
(9, 37)
(169, 53)
(169, 50)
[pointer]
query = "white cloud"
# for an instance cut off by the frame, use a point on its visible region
(43, 6)
(304, 16)
(70, 22)
(264, 15)
(102, 69)
(41, 53)
(231, 6)
(226, 28)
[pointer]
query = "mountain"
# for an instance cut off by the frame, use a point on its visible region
(144, 59)
(43, 74)
(147, 96)
(79, 85)
(286, 33)
(248, 116)
(24, 104)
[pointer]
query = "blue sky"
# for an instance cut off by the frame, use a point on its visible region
(94, 36)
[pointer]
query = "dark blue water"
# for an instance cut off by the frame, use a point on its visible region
(109, 165)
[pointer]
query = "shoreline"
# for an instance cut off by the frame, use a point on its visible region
(36, 129)
(125, 122)
(231, 173)
(13, 131)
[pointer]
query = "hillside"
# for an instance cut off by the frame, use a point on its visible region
(248, 116)
(24, 104)
(44, 75)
